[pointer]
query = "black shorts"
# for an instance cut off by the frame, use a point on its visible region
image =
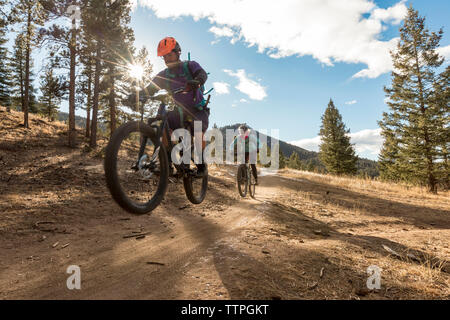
(175, 119)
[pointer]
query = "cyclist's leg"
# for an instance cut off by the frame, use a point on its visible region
(255, 173)
(144, 141)
(174, 122)
(204, 118)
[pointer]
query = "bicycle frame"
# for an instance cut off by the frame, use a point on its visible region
(162, 129)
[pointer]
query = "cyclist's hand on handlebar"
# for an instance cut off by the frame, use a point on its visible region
(192, 85)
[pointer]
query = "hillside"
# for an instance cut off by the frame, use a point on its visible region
(305, 236)
(79, 121)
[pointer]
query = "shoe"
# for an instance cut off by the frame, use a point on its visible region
(201, 171)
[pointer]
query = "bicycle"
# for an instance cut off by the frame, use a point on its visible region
(245, 180)
(139, 186)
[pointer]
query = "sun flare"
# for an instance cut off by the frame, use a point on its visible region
(136, 71)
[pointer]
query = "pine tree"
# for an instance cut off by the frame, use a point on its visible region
(62, 40)
(53, 89)
(413, 126)
(17, 65)
(94, 26)
(281, 161)
(3, 12)
(336, 151)
(294, 161)
(87, 77)
(17, 69)
(5, 72)
(118, 40)
(29, 14)
(441, 102)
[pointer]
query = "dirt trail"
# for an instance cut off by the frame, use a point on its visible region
(299, 239)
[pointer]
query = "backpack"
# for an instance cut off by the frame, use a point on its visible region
(187, 74)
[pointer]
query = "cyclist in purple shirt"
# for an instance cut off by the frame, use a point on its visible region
(188, 75)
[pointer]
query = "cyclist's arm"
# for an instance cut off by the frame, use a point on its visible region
(198, 73)
(151, 89)
(201, 76)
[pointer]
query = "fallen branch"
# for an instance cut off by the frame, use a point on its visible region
(135, 235)
(156, 263)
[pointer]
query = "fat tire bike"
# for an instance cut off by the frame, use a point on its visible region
(137, 164)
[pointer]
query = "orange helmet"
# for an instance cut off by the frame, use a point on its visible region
(167, 45)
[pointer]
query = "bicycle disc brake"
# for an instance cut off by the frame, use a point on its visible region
(145, 167)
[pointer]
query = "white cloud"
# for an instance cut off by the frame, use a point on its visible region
(445, 52)
(243, 101)
(222, 32)
(308, 144)
(366, 141)
(330, 31)
(393, 14)
(221, 87)
(250, 87)
(351, 102)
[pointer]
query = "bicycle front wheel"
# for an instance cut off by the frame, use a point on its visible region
(136, 173)
(242, 181)
(195, 187)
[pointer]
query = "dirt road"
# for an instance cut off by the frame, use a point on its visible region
(301, 238)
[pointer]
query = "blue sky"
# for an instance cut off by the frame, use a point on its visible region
(275, 65)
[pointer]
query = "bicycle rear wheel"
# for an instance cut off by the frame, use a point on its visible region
(242, 181)
(141, 189)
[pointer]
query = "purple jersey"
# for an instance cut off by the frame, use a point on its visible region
(174, 79)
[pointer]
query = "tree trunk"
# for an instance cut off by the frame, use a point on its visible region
(50, 109)
(22, 87)
(112, 101)
(72, 129)
(27, 70)
(93, 142)
(432, 183)
(88, 105)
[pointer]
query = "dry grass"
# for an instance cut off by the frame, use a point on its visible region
(367, 185)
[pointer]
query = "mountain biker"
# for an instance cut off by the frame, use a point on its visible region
(250, 146)
(191, 106)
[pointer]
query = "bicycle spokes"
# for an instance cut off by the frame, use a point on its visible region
(138, 186)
